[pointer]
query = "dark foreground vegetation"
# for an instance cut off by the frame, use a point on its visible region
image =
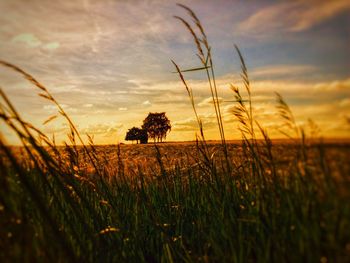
(242, 204)
(61, 213)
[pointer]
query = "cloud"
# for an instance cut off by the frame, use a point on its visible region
(293, 16)
(110, 60)
(52, 46)
(146, 103)
(54, 108)
(32, 41)
(104, 129)
(336, 85)
(209, 101)
(297, 89)
(345, 102)
(191, 124)
(283, 70)
(27, 38)
(56, 128)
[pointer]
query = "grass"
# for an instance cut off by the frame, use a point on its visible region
(253, 202)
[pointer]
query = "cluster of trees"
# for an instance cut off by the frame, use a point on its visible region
(137, 134)
(155, 126)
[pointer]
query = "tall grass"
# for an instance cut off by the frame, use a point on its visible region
(261, 203)
(205, 57)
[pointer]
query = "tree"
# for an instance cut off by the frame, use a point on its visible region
(137, 134)
(157, 125)
(143, 136)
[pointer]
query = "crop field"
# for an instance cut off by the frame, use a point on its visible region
(130, 159)
(184, 208)
(253, 199)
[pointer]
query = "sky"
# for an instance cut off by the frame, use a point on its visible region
(108, 63)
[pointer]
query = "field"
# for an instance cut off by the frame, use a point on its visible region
(254, 199)
(163, 204)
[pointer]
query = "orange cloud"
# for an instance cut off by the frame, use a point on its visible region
(294, 16)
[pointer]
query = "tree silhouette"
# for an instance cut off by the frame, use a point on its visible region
(157, 125)
(143, 136)
(137, 134)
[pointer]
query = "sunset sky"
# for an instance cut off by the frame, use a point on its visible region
(109, 63)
